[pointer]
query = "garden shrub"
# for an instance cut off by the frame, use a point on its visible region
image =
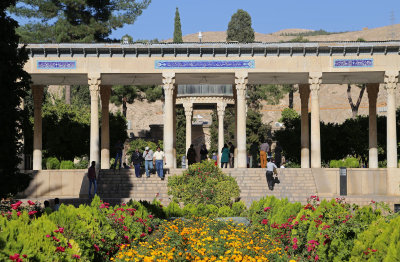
(336, 163)
(238, 208)
(189, 210)
(82, 164)
(203, 183)
(212, 210)
(202, 210)
(173, 210)
(52, 163)
(66, 164)
(225, 211)
(351, 162)
(380, 242)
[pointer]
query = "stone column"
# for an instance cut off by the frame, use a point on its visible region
(305, 132)
(372, 90)
(221, 113)
(94, 87)
(241, 86)
(105, 92)
(188, 106)
(315, 79)
(391, 80)
(169, 86)
(37, 92)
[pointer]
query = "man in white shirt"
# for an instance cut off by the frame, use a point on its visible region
(148, 160)
(158, 160)
(270, 174)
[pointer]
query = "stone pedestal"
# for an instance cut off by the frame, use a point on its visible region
(94, 87)
(105, 92)
(37, 92)
(305, 135)
(241, 86)
(372, 90)
(315, 79)
(169, 86)
(391, 80)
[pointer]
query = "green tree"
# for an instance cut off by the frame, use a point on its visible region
(177, 28)
(239, 28)
(123, 95)
(12, 92)
(75, 21)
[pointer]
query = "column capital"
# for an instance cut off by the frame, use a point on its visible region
(168, 79)
(391, 79)
(241, 81)
(221, 108)
(105, 93)
(94, 79)
(188, 106)
(315, 80)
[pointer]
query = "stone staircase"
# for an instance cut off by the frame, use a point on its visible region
(296, 185)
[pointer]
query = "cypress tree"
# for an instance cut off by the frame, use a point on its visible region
(14, 82)
(177, 28)
(239, 28)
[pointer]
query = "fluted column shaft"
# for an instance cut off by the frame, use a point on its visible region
(169, 86)
(37, 92)
(94, 87)
(391, 80)
(241, 86)
(315, 79)
(105, 92)
(305, 132)
(372, 90)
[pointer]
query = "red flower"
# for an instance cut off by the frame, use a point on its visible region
(31, 213)
(143, 235)
(267, 208)
(61, 230)
(60, 249)
(96, 247)
(18, 213)
(150, 216)
(24, 256)
(47, 235)
(16, 205)
(149, 229)
(31, 203)
(69, 245)
(76, 256)
(14, 257)
(264, 221)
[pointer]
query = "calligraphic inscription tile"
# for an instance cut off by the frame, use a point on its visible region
(46, 64)
(204, 64)
(341, 63)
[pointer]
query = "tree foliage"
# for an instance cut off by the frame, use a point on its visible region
(75, 21)
(177, 28)
(239, 28)
(14, 82)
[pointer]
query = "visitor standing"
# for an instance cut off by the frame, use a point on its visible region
(119, 147)
(225, 156)
(203, 153)
(47, 208)
(56, 204)
(159, 158)
(231, 155)
(269, 153)
(215, 158)
(270, 174)
(148, 160)
(136, 161)
(278, 154)
(191, 155)
(92, 178)
(264, 148)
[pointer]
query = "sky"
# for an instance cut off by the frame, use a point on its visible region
(157, 21)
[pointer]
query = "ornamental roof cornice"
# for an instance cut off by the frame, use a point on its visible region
(214, 49)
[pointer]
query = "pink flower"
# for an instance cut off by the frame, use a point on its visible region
(102, 240)
(31, 213)
(18, 213)
(14, 257)
(56, 239)
(149, 229)
(60, 249)
(76, 256)
(316, 257)
(150, 216)
(143, 235)
(267, 208)
(69, 245)
(16, 205)
(31, 203)
(61, 230)
(47, 236)
(264, 221)
(24, 256)
(96, 247)
(294, 240)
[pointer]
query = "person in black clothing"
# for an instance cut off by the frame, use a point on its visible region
(137, 161)
(231, 155)
(191, 155)
(278, 155)
(203, 153)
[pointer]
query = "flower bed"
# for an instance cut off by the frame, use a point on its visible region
(203, 239)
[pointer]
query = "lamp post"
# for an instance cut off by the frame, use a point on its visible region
(200, 36)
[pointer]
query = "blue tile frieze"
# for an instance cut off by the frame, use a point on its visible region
(56, 64)
(204, 64)
(340, 63)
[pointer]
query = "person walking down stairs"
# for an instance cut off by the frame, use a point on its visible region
(264, 148)
(270, 174)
